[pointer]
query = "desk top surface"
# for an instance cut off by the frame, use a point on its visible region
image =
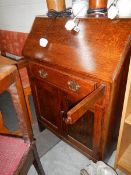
(98, 50)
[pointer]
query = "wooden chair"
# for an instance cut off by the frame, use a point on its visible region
(24, 79)
(17, 154)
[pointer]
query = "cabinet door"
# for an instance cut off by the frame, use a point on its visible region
(85, 132)
(47, 102)
(82, 130)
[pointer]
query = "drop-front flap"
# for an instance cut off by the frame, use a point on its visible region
(98, 49)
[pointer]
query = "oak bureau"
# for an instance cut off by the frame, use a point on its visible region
(78, 80)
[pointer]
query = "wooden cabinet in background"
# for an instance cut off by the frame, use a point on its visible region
(78, 81)
(123, 154)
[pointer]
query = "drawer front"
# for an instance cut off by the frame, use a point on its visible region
(64, 81)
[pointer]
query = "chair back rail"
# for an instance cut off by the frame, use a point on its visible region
(13, 85)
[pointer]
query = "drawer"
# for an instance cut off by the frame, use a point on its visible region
(63, 80)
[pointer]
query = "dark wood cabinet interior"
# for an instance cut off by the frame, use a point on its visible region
(77, 79)
(82, 130)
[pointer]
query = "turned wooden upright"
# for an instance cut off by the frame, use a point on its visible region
(57, 5)
(97, 4)
(97, 8)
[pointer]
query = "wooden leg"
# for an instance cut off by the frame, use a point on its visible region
(3, 129)
(18, 99)
(37, 164)
(41, 127)
(27, 92)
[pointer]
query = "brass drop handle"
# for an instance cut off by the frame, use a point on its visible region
(43, 74)
(73, 85)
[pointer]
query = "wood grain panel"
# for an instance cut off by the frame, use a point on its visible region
(98, 53)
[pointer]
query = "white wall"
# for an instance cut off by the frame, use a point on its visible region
(18, 15)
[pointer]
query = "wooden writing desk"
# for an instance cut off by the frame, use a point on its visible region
(78, 80)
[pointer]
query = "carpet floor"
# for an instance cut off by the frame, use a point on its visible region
(62, 159)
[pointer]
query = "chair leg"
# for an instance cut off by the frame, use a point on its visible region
(3, 129)
(27, 92)
(37, 164)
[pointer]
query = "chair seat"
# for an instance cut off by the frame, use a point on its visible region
(11, 152)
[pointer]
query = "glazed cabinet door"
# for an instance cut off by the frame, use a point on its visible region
(47, 102)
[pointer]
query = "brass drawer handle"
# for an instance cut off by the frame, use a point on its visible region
(73, 85)
(43, 74)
